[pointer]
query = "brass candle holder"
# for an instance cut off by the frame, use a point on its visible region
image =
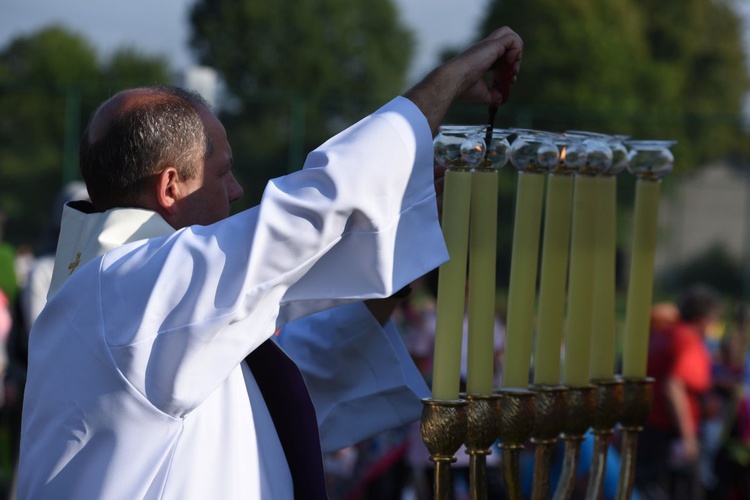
(443, 429)
(637, 399)
(578, 419)
(548, 412)
(551, 403)
(483, 428)
(609, 402)
(517, 423)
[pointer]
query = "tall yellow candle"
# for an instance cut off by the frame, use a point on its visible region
(580, 284)
(522, 286)
(481, 304)
(602, 363)
(640, 287)
(553, 279)
(452, 286)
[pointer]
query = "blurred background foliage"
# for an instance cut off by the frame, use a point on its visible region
(295, 81)
(50, 82)
(645, 68)
(656, 69)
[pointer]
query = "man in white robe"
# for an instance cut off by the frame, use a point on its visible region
(137, 386)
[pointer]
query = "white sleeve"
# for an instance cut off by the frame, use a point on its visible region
(359, 221)
(360, 376)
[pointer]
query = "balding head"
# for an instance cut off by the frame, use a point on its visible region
(135, 135)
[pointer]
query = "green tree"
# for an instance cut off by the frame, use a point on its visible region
(292, 62)
(698, 67)
(128, 67)
(649, 68)
(50, 82)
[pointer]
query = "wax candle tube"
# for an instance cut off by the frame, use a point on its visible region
(446, 370)
(640, 286)
(481, 303)
(553, 279)
(580, 284)
(522, 286)
(602, 362)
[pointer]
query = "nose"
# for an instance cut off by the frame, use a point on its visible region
(235, 190)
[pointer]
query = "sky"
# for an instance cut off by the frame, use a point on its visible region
(161, 26)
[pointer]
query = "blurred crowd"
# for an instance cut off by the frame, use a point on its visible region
(695, 444)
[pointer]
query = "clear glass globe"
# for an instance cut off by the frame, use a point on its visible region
(598, 151)
(498, 151)
(459, 145)
(473, 149)
(650, 159)
(619, 154)
(572, 153)
(534, 151)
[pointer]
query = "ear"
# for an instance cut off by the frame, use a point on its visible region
(167, 190)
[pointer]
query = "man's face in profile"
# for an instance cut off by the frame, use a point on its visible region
(214, 187)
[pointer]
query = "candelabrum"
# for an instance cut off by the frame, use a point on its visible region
(590, 398)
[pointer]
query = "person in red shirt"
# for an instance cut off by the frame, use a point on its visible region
(680, 363)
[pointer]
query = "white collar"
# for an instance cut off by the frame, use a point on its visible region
(85, 235)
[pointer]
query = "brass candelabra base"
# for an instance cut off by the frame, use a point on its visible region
(443, 429)
(637, 400)
(609, 400)
(483, 427)
(551, 403)
(517, 423)
(578, 419)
